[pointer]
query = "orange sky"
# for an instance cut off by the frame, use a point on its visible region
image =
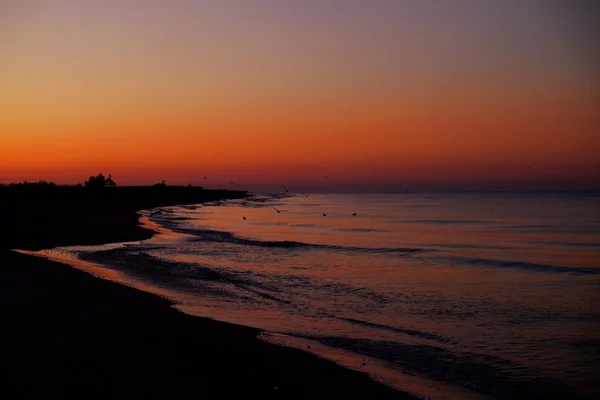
(177, 95)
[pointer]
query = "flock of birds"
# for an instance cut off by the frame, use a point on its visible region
(287, 190)
(280, 211)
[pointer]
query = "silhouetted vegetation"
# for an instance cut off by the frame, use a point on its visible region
(94, 183)
(29, 187)
(40, 184)
(97, 181)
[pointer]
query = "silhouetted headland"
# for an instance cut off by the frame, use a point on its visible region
(68, 333)
(43, 215)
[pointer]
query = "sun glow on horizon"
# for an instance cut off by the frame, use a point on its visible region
(377, 95)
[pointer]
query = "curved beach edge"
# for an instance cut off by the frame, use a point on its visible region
(71, 332)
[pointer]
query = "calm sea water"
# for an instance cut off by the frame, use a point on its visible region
(497, 294)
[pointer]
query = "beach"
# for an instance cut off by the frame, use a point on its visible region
(300, 199)
(444, 296)
(68, 333)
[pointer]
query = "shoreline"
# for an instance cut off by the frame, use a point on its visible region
(400, 380)
(72, 332)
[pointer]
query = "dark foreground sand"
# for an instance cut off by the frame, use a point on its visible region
(67, 333)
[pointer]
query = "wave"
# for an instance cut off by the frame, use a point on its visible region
(218, 203)
(558, 229)
(306, 226)
(409, 332)
(280, 195)
(131, 259)
(524, 265)
(228, 237)
(490, 375)
(249, 203)
(361, 230)
(230, 283)
(374, 250)
(470, 246)
(261, 223)
(566, 244)
(442, 221)
(189, 207)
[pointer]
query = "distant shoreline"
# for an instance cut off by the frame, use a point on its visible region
(72, 332)
(34, 218)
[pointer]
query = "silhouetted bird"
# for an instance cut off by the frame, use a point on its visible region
(278, 211)
(325, 176)
(232, 183)
(286, 189)
(306, 195)
(205, 178)
(324, 214)
(244, 217)
(354, 214)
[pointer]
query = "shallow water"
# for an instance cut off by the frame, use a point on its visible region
(496, 294)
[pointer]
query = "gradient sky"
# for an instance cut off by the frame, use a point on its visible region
(428, 94)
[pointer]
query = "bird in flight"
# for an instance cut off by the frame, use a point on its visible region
(354, 214)
(286, 189)
(232, 183)
(324, 214)
(326, 177)
(278, 211)
(305, 194)
(205, 178)
(244, 217)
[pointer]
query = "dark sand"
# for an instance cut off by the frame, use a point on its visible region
(67, 333)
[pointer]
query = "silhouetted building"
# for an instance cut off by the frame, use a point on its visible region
(109, 182)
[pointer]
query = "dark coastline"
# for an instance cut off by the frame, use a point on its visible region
(68, 333)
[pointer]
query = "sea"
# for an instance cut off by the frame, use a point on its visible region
(455, 295)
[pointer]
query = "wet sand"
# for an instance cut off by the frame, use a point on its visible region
(67, 333)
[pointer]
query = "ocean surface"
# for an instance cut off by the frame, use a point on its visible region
(445, 295)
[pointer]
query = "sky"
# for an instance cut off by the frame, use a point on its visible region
(376, 95)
